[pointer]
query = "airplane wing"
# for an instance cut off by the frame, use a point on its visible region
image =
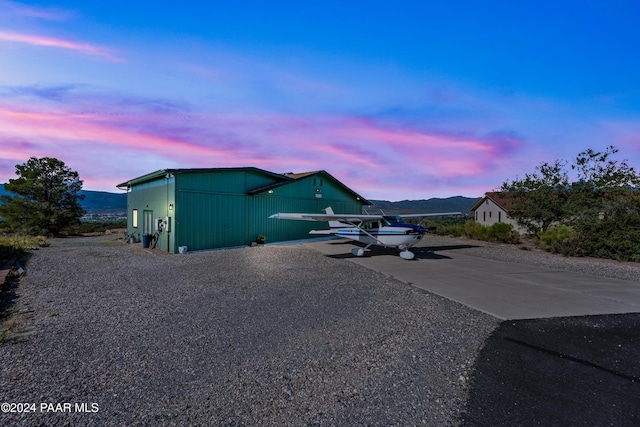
(430, 214)
(348, 218)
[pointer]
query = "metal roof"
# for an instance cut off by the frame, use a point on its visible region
(297, 176)
(164, 172)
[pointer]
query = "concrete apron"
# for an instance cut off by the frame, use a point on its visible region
(505, 290)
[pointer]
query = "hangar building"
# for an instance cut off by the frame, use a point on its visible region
(226, 207)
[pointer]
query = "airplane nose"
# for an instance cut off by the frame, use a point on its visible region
(417, 229)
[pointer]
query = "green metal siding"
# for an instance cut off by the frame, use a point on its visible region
(299, 196)
(211, 220)
(155, 197)
(212, 207)
(234, 181)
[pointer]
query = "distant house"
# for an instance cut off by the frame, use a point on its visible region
(224, 207)
(494, 207)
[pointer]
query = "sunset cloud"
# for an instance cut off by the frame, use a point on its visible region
(44, 41)
(355, 149)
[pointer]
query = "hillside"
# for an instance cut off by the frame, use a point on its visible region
(102, 200)
(449, 204)
(96, 200)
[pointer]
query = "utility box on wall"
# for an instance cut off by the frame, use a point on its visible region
(225, 207)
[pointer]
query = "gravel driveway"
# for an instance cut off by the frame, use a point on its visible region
(252, 336)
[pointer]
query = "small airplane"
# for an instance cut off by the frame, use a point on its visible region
(379, 230)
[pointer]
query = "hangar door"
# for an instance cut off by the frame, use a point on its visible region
(212, 220)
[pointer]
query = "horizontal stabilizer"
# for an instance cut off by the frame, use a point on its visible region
(323, 232)
(298, 216)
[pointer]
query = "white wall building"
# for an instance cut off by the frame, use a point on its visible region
(494, 207)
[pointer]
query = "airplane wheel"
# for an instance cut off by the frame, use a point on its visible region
(357, 251)
(407, 254)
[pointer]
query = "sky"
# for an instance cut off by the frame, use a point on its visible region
(400, 100)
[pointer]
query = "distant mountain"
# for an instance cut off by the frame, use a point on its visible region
(96, 200)
(450, 204)
(102, 200)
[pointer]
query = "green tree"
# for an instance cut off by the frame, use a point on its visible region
(540, 198)
(601, 183)
(596, 214)
(44, 198)
(548, 197)
(603, 172)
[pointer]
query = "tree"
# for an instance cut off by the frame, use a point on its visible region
(45, 197)
(540, 199)
(604, 173)
(601, 182)
(601, 206)
(549, 197)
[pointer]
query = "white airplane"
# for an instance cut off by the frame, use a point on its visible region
(380, 230)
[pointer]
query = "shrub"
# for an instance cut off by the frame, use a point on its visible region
(498, 232)
(502, 232)
(17, 245)
(559, 239)
(456, 230)
(616, 235)
(97, 226)
(473, 230)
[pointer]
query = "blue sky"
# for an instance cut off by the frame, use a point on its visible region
(404, 100)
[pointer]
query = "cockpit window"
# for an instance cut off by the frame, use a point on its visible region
(392, 219)
(370, 225)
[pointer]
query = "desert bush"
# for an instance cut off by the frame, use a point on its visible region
(448, 226)
(502, 232)
(616, 235)
(474, 230)
(17, 245)
(559, 239)
(98, 226)
(456, 230)
(498, 232)
(22, 241)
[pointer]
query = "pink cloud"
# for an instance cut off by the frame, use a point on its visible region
(114, 143)
(62, 126)
(36, 40)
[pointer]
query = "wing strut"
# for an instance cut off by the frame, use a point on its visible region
(360, 251)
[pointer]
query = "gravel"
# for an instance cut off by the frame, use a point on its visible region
(104, 333)
(527, 253)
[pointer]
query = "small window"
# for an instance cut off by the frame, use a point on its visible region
(489, 214)
(499, 216)
(134, 218)
(320, 182)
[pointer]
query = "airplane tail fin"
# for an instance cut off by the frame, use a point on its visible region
(335, 224)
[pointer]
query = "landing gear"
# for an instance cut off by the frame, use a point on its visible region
(357, 251)
(360, 251)
(407, 254)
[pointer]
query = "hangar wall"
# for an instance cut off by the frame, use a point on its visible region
(229, 207)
